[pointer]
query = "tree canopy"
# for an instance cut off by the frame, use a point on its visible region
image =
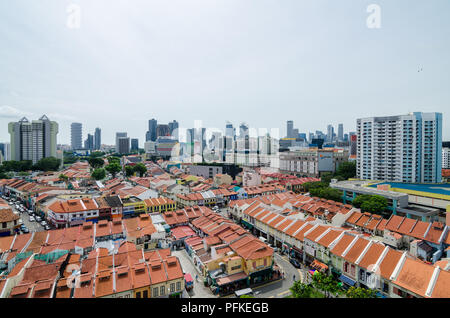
(346, 170)
(300, 290)
(16, 166)
(371, 203)
(141, 169)
(96, 162)
(129, 171)
(359, 292)
(48, 164)
(326, 283)
(99, 174)
(113, 168)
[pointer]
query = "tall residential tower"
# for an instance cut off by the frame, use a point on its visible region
(33, 140)
(405, 148)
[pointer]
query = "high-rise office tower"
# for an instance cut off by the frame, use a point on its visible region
(76, 133)
(330, 133)
(340, 135)
(123, 145)
(162, 130)
(173, 129)
(229, 130)
(5, 150)
(404, 148)
(97, 139)
(33, 141)
(243, 130)
(134, 144)
(89, 142)
(151, 133)
(290, 129)
(119, 135)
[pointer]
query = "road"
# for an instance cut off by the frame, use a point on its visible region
(280, 289)
(199, 290)
(32, 226)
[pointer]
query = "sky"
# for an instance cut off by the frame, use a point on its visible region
(262, 62)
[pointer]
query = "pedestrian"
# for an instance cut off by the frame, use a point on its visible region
(293, 278)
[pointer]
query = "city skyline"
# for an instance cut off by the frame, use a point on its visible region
(314, 63)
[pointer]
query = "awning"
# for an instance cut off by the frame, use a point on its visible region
(347, 280)
(319, 265)
(231, 278)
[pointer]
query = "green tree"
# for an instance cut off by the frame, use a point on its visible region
(300, 290)
(360, 199)
(359, 292)
(371, 203)
(141, 169)
(346, 170)
(63, 177)
(314, 185)
(129, 171)
(112, 159)
(48, 164)
(113, 168)
(99, 174)
(3, 175)
(326, 177)
(97, 154)
(96, 162)
(326, 283)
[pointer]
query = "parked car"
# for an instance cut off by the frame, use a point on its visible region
(31, 219)
(38, 218)
(47, 227)
(25, 230)
(294, 262)
(43, 223)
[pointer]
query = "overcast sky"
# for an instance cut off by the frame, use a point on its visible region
(260, 61)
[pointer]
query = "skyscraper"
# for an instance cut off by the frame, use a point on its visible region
(340, 135)
(119, 135)
(134, 144)
(97, 139)
(229, 130)
(5, 150)
(76, 134)
(404, 148)
(151, 133)
(89, 142)
(33, 141)
(173, 128)
(162, 130)
(290, 129)
(330, 133)
(243, 130)
(123, 145)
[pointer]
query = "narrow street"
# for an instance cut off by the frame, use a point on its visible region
(199, 290)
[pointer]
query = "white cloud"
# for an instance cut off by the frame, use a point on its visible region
(12, 112)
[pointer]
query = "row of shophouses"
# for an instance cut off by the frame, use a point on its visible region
(223, 196)
(228, 256)
(355, 258)
(127, 273)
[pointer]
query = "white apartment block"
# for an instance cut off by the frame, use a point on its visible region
(405, 148)
(445, 158)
